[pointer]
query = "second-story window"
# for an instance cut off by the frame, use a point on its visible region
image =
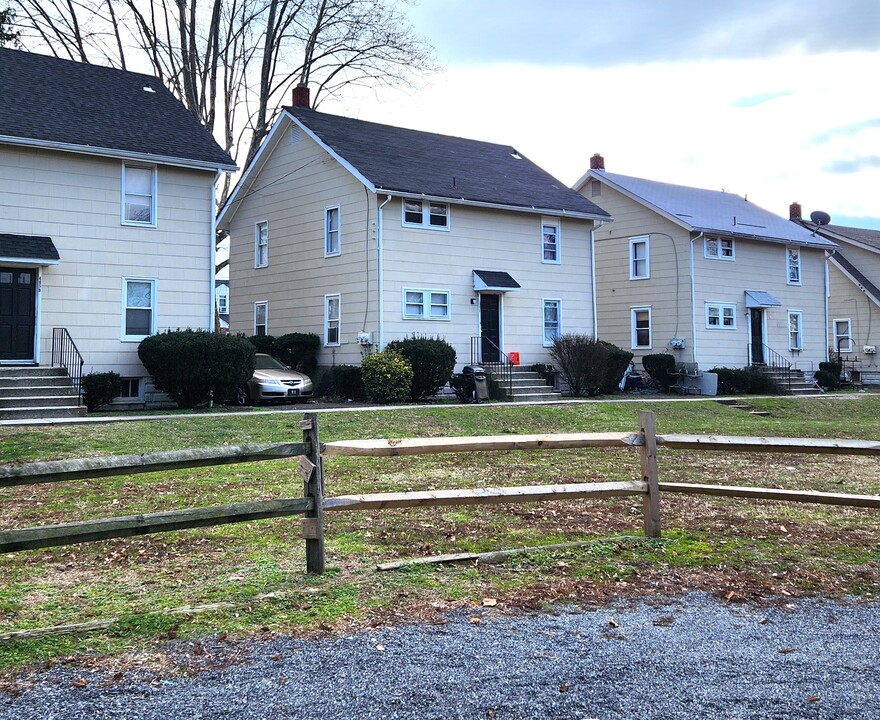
(716, 248)
(420, 213)
(138, 195)
(261, 244)
(639, 267)
(793, 265)
(331, 232)
(550, 243)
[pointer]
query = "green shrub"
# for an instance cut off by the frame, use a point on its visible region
(263, 343)
(828, 375)
(582, 362)
(432, 361)
(661, 368)
(342, 381)
(387, 376)
(191, 365)
(615, 366)
(298, 351)
(733, 381)
(100, 388)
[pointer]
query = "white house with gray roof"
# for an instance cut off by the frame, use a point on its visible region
(705, 275)
(107, 214)
(365, 233)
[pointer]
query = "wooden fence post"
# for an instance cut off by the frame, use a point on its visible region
(650, 473)
(311, 468)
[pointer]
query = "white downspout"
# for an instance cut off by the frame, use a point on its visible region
(380, 272)
(693, 303)
(828, 254)
(212, 274)
(593, 279)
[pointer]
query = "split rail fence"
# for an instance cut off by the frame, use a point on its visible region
(313, 504)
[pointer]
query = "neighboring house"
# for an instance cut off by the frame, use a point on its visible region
(107, 213)
(364, 233)
(221, 295)
(705, 275)
(854, 303)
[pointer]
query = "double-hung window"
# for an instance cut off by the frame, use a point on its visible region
(716, 248)
(420, 213)
(130, 389)
(793, 265)
(843, 336)
(425, 304)
(332, 318)
(138, 195)
(639, 263)
(795, 330)
(139, 308)
(331, 232)
(261, 318)
(261, 244)
(222, 303)
(550, 243)
(641, 328)
(720, 316)
(552, 321)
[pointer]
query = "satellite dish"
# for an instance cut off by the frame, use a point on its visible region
(820, 218)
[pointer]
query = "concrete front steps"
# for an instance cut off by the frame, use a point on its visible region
(31, 392)
(525, 385)
(799, 384)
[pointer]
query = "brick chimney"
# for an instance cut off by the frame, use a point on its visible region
(597, 162)
(794, 211)
(301, 96)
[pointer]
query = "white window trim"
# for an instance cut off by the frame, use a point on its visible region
(327, 299)
(633, 334)
(154, 189)
(719, 256)
(646, 239)
(721, 306)
(788, 265)
(426, 304)
(132, 398)
(799, 314)
(153, 308)
(257, 263)
(844, 348)
(338, 251)
(425, 224)
(558, 228)
(222, 304)
(559, 330)
(264, 303)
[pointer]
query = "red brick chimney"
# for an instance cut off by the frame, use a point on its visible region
(301, 96)
(794, 211)
(597, 162)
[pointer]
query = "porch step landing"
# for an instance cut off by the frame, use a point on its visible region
(33, 392)
(525, 385)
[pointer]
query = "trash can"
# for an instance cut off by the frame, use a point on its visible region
(477, 382)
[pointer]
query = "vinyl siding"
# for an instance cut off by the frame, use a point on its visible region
(75, 200)
(848, 301)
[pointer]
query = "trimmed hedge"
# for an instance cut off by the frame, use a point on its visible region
(298, 351)
(191, 366)
(388, 376)
(616, 364)
(432, 361)
(342, 381)
(99, 389)
(828, 375)
(661, 368)
(263, 343)
(749, 381)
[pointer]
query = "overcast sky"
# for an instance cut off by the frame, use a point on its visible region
(778, 100)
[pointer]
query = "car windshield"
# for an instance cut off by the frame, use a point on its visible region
(267, 362)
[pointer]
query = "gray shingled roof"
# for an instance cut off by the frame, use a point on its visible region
(413, 162)
(862, 235)
(28, 247)
(713, 211)
(857, 275)
(49, 100)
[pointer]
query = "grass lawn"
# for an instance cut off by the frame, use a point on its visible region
(252, 576)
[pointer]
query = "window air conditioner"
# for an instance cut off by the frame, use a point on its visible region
(870, 349)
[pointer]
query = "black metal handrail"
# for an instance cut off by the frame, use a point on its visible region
(779, 364)
(65, 354)
(503, 368)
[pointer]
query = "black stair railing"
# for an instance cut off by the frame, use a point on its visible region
(502, 370)
(779, 365)
(66, 355)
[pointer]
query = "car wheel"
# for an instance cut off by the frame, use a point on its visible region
(242, 396)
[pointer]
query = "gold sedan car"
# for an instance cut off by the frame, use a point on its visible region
(273, 380)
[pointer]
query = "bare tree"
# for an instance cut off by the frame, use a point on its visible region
(233, 62)
(8, 34)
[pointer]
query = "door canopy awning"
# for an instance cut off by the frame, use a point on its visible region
(495, 280)
(27, 250)
(761, 299)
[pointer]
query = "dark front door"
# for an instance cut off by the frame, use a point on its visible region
(18, 316)
(490, 327)
(757, 322)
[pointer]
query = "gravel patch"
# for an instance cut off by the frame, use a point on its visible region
(695, 658)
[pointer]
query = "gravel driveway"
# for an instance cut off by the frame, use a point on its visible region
(697, 658)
